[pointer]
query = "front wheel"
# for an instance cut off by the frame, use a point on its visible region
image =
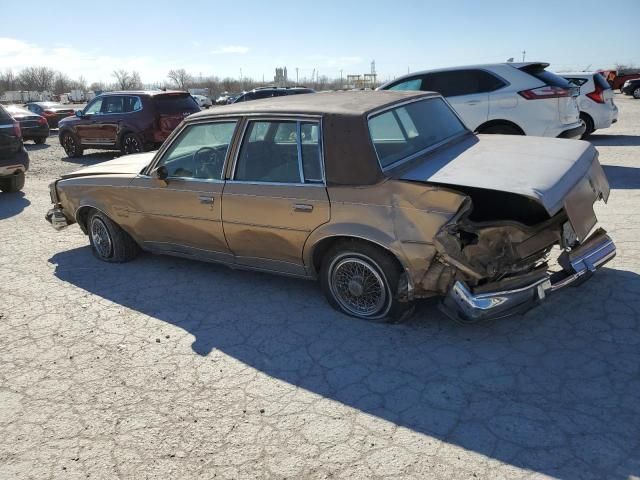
(131, 143)
(108, 241)
(71, 145)
(362, 280)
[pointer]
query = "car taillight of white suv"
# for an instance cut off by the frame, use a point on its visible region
(504, 98)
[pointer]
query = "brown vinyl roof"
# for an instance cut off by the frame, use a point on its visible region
(352, 103)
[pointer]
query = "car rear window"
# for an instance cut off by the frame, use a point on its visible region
(175, 103)
(4, 115)
(601, 82)
(407, 130)
(550, 78)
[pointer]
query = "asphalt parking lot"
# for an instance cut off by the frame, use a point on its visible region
(167, 368)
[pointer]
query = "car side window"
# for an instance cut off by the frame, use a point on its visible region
(289, 152)
(461, 82)
(111, 105)
(132, 104)
(414, 83)
(200, 151)
(94, 108)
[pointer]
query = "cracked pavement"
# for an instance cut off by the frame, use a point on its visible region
(169, 368)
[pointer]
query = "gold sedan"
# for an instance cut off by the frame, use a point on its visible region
(385, 197)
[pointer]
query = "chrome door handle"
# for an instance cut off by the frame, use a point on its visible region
(302, 207)
(205, 199)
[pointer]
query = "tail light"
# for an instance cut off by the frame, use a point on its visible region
(16, 129)
(596, 95)
(548, 91)
(42, 121)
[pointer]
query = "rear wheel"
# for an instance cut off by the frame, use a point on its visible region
(39, 140)
(501, 130)
(131, 143)
(361, 280)
(71, 145)
(588, 122)
(13, 183)
(108, 241)
(636, 93)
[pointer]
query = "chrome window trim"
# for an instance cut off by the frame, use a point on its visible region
(275, 118)
(177, 133)
(299, 148)
(430, 148)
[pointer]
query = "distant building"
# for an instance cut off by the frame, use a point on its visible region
(281, 77)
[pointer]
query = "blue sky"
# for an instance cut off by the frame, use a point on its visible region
(214, 38)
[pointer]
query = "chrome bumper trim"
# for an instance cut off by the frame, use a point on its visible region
(56, 218)
(463, 305)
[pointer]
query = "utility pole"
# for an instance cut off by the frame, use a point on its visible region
(341, 80)
(297, 83)
(524, 52)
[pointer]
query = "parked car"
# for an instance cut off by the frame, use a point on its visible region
(202, 101)
(385, 197)
(14, 159)
(53, 112)
(632, 87)
(616, 80)
(34, 127)
(597, 108)
(268, 92)
(505, 98)
(127, 121)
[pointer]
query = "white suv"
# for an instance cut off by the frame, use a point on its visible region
(597, 109)
(506, 98)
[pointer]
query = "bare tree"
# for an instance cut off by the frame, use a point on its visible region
(36, 78)
(180, 77)
(8, 81)
(127, 80)
(61, 83)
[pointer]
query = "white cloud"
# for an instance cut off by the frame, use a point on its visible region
(231, 49)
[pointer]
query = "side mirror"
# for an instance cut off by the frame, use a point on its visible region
(161, 173)
(79, 113)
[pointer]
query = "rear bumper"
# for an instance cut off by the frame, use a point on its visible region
(462, 304)
(18, 162)
(575, 132)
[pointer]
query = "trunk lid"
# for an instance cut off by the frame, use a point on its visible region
(128, 164)
(556, 173)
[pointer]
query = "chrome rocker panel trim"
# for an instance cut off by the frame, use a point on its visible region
(463, 305)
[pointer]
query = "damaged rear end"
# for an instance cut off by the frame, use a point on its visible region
(525, 230)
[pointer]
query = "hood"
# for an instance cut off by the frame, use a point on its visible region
(542, 169)
(127, 164)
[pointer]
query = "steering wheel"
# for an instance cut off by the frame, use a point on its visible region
(207, 163)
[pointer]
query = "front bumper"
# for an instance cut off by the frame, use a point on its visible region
(575, 132)
(56, 218)
(463, 305)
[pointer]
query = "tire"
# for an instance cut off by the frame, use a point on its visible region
(109, 242)
(636, 93)
(501, 130)
(131, 143)
(353, 260)
(71, 145)
(588, 121)
(13, 183)
(39, 140)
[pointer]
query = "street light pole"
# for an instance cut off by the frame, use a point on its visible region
(297, 83)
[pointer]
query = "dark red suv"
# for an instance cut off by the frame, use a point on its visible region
(131, 122)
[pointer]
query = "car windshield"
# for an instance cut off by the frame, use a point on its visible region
(409, 129)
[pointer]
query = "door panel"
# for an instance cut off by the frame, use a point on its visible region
(183, 216)
(266, 226)
(474, 109)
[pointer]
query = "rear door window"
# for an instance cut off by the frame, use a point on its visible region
(175, 103)
(113, 105)
(461, 82)
(132, 104)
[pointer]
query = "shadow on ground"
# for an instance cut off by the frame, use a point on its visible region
(12, 204)
(31, 147)
(93, 157)
(554, 391)
(623, 177)
(605, 140)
